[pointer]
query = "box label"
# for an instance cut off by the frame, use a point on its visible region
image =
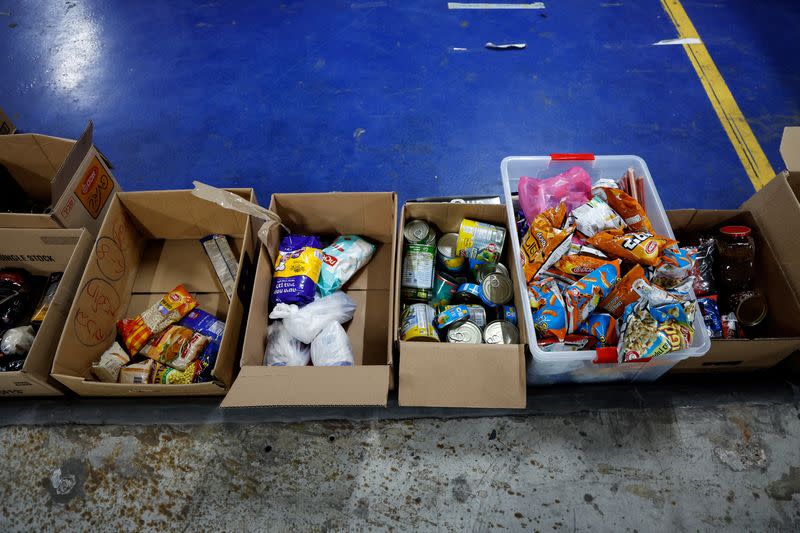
(94, 188)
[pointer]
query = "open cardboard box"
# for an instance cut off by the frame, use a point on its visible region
(782, 328)
(373, 216)
(42, 252)
(459, 375)
(147, 245)
(73, 177)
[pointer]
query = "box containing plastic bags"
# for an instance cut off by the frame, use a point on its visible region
(161, 303)
(39, 274)
(342, 244)
(446, 360)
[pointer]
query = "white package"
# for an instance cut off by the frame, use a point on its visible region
(305, 323)
(283, 349)
(332, 347)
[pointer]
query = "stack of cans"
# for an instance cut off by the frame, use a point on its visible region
(454, 288)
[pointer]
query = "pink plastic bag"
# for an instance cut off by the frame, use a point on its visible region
(573, 186)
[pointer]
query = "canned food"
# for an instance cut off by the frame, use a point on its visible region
(417, 231)
(466, 333)
(468, 293)
(415, 295)
(454, 315)
(501, 332)
(431, 239)
(444, 287)
(497, 289)
(477, 315)
(484, 269)
(446, 254)
(416, 324)
(480, 241)
(418, 266)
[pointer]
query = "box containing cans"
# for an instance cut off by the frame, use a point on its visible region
(459, 341)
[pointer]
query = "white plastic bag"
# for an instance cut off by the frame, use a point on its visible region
(305, 323)
(332, 347)
(283, 349)
(17, 342)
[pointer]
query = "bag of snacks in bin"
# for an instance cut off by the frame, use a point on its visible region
(550, 315)
(545, 242)
(583, 296)
(135, 332)
(639, 247)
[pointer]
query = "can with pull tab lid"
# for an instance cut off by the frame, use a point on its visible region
(466, 333)
(417, 231)
(497, 289)
(501, 332)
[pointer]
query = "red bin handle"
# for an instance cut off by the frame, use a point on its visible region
(572, 157)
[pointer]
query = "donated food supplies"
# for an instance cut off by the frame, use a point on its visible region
(307, 305)
(453, 286)
(598, 276)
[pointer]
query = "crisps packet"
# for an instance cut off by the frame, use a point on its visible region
(629, 209)
(641, 337)
(572, 343)
(550, 317)
(675, 265)
(545, 242)
(580, 265)
(583, 296)
(640, 247)
(135, 332)
(595, 216)
(624, 292)
(603, 327)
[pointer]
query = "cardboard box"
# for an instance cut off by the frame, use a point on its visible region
(147, 245)
(782, 325)
(71, 176)
(6, 126)
(373, 216)
(459, 375)
(42, 252)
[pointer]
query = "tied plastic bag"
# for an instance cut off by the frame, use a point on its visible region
(17, 342)
(332, 347)
(304, 324)
(341, 260)
(283, 349)
(573, 186)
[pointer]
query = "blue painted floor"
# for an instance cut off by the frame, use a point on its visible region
(365, 95)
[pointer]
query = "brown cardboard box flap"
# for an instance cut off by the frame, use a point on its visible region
(7, 127)
(96, 388)
(790, 148)
(309, 385)
(33, 160)
(458, 375)
(740, 355)
(69, 166)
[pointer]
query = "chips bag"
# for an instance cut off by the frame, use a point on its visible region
(209, 325)
(550, 315)
(545, 242)
(135, 332)
(675, 265)
(641, 336)
(573, 342)
(603, 327)
(640, 247)
(583, 296)
(624, 292)
(711, 316)
(629, 209)
(595, 216)
(580, 265)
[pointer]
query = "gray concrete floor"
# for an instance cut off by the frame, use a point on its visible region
(707, 462)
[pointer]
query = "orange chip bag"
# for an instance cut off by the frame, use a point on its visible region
(579, 265)
(639, 247)
(629, 209)
(624, 292)
(545, 242)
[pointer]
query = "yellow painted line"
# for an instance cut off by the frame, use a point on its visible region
(744, 142)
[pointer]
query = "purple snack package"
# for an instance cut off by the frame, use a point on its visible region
(296, 270)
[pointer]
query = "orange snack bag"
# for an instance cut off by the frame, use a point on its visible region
(624, 292)
(639, 247)
(629, 209)
(135, 332)
(545, 242)
(579, 265)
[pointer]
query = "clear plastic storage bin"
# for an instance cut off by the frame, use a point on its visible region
(579, 366)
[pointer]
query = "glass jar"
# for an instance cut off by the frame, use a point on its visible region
(736, 253)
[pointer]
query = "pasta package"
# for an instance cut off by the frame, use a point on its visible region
(297, 270)
(135, 332)
(177, 346)
(641, 247)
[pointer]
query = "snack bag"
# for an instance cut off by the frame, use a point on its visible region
(711, 316)
(572, 343)
(624, 292)
(297, 270)
(206, 324)
(583, 296)
(135, 332)
(580, 265)
(675, 265)
(545, 242)
(573, 187)
(341, 260)
(640, 336)
(603, 327)
(550, 317)
(703, 271)
(166, 375)
(595, 216)
(641, 247)
(176, 346)
(629, 209)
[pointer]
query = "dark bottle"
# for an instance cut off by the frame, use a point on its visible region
(736, 253)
